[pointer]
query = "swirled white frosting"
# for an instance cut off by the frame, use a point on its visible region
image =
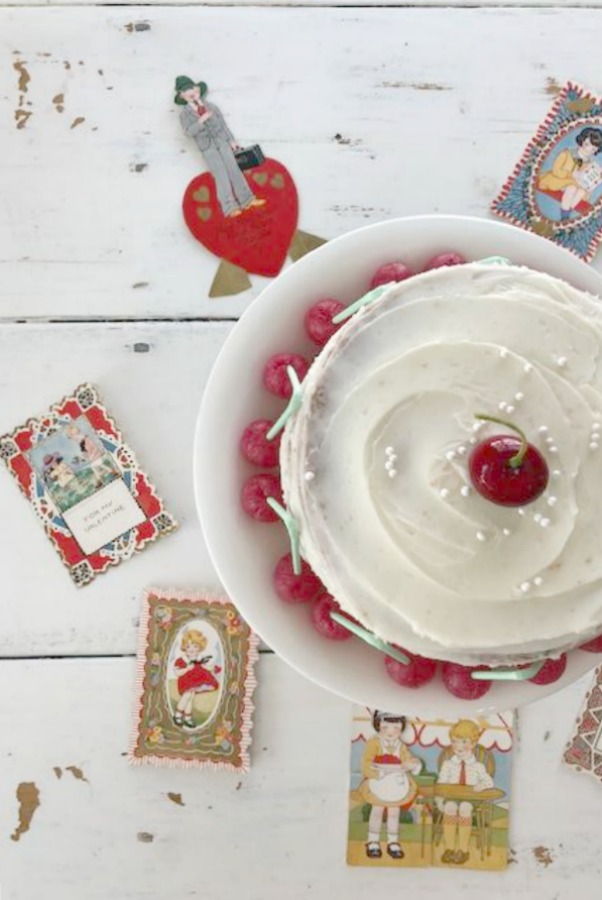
(389, 520)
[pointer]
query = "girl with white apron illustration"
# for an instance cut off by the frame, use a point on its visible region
(387, 767)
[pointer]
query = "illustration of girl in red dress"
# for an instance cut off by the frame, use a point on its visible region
(194, 675)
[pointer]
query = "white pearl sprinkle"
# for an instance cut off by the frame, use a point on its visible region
(465, 490)
(477, 426)
(596, 426)
(562, 361)
(538, 580)
(309, 476)
(481, 536)
(503, 353)
(444, 492)
(520, 396)
(593, 446)
(510, 409)
(451, 454)
(392, 473)
(545, 522)
(392, 457)
(556, 473)
(552, 501)
(461, 450)
(472, 441)
(525, 587)
(506, 532)
(389, 450)
(389, 465)
(543, 429)
(537, 517)
(520, 511)
(527, 367)
(552, 449)
(502, 405)
(549, 440)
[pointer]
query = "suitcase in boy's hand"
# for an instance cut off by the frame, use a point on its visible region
(249, 157)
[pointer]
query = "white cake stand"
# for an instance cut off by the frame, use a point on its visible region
(244, 552)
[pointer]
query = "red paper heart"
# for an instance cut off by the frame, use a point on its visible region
(258, 240)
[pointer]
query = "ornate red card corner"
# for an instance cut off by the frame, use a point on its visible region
(84, 482)
(584, 750)
(194, 685)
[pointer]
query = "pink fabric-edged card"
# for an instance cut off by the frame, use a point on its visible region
(194, 685)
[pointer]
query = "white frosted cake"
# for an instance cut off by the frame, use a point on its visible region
(374, 465)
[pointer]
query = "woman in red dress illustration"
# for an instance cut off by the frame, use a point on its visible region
(194, 675)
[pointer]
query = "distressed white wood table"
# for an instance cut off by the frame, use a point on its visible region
(378, 112)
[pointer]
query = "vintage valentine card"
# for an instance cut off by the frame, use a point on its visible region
(195, 683)
(556, 188)
(429, 793)
(244, 208)
(84, 483)
(584, 750)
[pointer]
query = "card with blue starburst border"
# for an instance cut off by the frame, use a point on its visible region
(555, 189)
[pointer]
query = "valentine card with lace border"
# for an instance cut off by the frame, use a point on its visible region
(96, 505)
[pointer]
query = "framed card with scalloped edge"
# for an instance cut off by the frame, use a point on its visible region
(96, 504)
(583, 752)
(195, 683)
(555, 189)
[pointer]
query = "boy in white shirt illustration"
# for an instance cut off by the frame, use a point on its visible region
(461, 767)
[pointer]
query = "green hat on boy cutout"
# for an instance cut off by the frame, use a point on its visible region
(183, 83)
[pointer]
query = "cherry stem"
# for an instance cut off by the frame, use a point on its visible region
(516, 460)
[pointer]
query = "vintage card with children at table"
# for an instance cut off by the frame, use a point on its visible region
(429, 793)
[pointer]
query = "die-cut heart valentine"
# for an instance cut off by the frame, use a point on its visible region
(258, 239)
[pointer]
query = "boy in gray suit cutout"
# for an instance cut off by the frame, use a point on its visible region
(204, 122)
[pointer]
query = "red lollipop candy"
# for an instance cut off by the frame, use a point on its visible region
(254, 495)
(393, 271)
(449, 258)
(295, 588)
(459, 682)
(323, 623)
(275, 377)
(419, 671)
(551, 671)
(255, 446)
(318, 320)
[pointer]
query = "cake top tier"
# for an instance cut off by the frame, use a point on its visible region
(390, 520)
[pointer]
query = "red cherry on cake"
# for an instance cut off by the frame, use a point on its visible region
(449, 258)
(255, 446)
(459, 682)
(393, 271)
(318, 320)
(295, 588)
(254, 494)
(419, 671)
(507, 469)
(323, 623)
(275, 377)
(551, 671)
(593, 646)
